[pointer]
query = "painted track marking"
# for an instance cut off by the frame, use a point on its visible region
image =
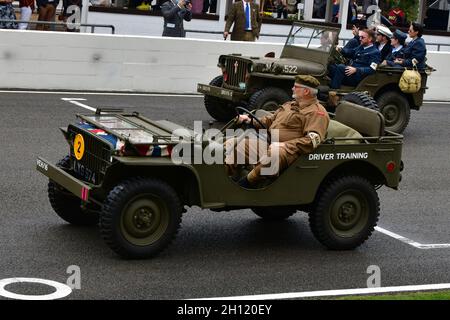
(333, 293)
(412, 242)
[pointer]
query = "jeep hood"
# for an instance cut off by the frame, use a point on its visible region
(287, 66)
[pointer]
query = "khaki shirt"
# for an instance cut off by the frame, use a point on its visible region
(294, 121)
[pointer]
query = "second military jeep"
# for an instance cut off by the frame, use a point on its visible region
(120, 173)
(266, 82)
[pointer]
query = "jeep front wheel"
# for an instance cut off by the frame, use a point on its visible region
(346, 213)
(219, 109)
(268, 99)
(395, 109)
(140, 217)
(66, 205)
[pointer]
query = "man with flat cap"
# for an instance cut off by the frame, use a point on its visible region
(398, 49)
(300, 125)
(383, 41)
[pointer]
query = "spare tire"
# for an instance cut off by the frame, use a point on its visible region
(361, 99)
(269, 99)
(219, 109)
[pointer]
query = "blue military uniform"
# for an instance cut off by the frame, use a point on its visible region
(400, 53)
(352, 43)
(416, 49)
(364, 59)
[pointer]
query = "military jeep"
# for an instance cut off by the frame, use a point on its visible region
(120, 173)
(266, 82)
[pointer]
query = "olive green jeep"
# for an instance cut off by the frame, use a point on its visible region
(266, 82)
(121, 173)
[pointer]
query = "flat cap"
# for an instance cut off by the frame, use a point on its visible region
(307, 80)
(384, 31)
(400, 35)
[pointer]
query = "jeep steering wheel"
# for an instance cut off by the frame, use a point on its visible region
(338, 57)
(253, 117)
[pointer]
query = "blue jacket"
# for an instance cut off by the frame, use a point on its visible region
(416, 49)
(394, 55)
(352, 43)
(362, 59)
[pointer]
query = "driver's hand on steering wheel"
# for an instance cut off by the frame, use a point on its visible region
(244, 118)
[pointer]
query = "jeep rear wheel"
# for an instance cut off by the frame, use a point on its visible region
(395, 109)
(273, 213)
(66, 205)
(268, 99)
(361, 99)
(219, 109)
(346, 213)
(140, 217)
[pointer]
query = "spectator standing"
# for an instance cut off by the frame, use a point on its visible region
(246, 19)
(47, 12)
(26, 9)
(174, 13)
(7, 13)
(352, 15)
(210, 5)
(282, 9)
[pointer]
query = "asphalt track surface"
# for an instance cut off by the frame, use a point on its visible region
(214, 254)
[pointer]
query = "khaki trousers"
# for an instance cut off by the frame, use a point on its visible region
(267, 162)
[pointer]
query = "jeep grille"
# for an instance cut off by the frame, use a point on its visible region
(236, 69)
(97, 154)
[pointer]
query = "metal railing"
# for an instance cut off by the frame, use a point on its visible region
(64, 24)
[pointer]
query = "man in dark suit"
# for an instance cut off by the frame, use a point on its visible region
(364, 61)
(174, 13)
(383, 42)
(246, 19)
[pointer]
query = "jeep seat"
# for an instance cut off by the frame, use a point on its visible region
(339, 130)
(368, 122)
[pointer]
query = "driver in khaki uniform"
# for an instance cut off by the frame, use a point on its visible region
(300, 125)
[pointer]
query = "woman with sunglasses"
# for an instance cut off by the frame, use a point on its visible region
(416, 50)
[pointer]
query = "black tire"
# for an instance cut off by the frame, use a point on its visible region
(273, 213)
(361, 99)
(140, 217)
(269, 99)
(219, 109)
(345, 213)
(395, 108)
(66, 205)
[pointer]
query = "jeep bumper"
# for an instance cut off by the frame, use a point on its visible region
(220, 92)
(64, 179)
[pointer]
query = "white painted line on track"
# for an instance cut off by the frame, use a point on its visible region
(412, 242)
(193, 95)
(333, 293)
(73, 101)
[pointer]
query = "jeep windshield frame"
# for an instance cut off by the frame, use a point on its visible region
(311, 42)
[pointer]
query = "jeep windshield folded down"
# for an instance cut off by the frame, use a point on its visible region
(119, 173)
(266, 82)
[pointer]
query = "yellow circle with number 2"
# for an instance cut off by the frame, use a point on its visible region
(78, 146)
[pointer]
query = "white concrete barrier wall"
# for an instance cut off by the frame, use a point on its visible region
(71, 61)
